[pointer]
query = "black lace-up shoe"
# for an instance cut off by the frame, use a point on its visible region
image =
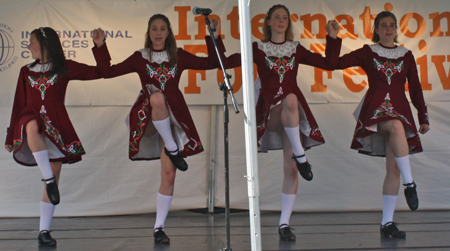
(177, 160)
(45, 239)
(390, 230)
(160, 236)
(285, 233)
(52, 190)
(411, 195)
(304, 168)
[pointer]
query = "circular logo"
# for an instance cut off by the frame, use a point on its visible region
(6, 47)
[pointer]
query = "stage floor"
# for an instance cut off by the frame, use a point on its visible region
(194, 231)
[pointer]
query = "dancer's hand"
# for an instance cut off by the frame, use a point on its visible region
(424, 128)
(332, 28)
(9, 148)
(98, 36)
(215, 25)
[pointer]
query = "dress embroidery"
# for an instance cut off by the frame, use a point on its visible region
(75, 148)
(315, 132)
(279, 93)
(162, 74)
(386, 109)
(388, 68)
(51, 130)
(280, 65)
(18, 142)
(42, 83)
(139, 132)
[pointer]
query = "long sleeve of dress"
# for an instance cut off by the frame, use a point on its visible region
(415, 91)
(329, 62)
(354, 58)
(81, 71)
(191, 61)
(105, 68)
(19, 104)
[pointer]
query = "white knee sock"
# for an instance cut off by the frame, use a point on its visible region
(405, 169)
(293, 134)
(389, 202)
(162, 209)
(163, 128)
(287, 204)
(43, 162)
(47, 210)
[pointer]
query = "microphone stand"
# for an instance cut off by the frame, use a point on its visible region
(225, 87)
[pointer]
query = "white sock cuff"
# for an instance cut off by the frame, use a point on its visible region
(405, 169)
(287, 205)
(162, 209)
(166, 120)
(43, 163)
(389, 202)
(47, 210)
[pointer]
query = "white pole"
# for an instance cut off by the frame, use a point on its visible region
(251, 147)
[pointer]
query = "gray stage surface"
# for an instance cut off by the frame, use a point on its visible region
(193, 231)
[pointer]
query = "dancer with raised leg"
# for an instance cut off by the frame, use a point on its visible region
(160, 124)
(283, 117)
(385, 125)
(40, 131)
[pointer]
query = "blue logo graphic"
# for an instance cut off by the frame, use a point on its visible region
(7, 58)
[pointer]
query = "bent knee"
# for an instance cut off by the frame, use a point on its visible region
(157, 99)
(290, 102)
(32, 127)
(396, 127)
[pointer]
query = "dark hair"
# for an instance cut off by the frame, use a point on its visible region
(51, 50)
(266, 28)
(170, 43)
(376, 24)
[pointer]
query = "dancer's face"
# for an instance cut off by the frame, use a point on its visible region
(34, 47)
(158, 33)
(279, 21)
(387, 30)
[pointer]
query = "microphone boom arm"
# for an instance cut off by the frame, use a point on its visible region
(226, 86)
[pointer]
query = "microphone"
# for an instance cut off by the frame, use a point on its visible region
(201, 11)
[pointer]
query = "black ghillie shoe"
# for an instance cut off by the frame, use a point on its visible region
(177, 160)
(160, 236)
(285, 233)
(45, 239)
(52, 190)
(390, 230)
(411, 195)
(304, 168)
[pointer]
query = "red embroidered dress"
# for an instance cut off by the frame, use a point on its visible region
(40, 95)
(159, 75)
(387, 70)
(277, 69)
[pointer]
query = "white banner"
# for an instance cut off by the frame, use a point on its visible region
(107, 183)
(423, 28)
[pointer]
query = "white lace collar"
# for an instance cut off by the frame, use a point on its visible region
(278, 50)
(388, 53)
(157, 56)
(40, 67)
